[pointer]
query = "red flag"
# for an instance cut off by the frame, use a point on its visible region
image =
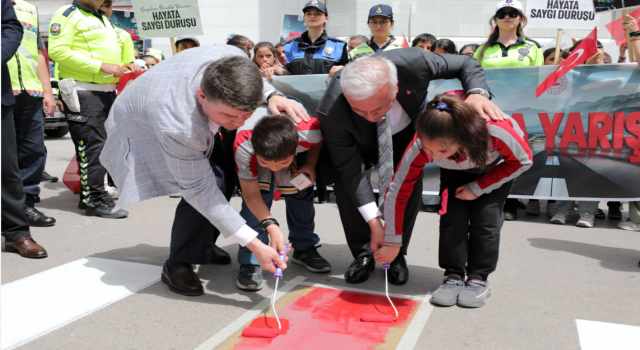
(405, 43)
(587, 48)
(127, 79)
(615, 28)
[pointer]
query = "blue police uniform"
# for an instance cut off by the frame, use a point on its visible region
(305, 57)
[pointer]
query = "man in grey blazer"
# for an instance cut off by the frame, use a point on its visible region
(161, 139)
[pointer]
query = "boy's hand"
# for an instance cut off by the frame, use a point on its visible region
(277, 238)
(267, 257)
(386, 254)
(463, 194)
(377, 234)
(310, 170)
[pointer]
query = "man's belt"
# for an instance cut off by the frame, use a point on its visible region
(81, 85)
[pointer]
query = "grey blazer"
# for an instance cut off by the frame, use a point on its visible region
(159, 141)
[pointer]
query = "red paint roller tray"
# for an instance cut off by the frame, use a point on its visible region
(377, 318)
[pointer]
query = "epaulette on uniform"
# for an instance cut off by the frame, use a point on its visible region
(68, 11)
(535, 42)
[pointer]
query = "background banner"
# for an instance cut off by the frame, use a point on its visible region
(562, 14)
(292, 27)
(584, 132)
(167, 18)
(608, 5)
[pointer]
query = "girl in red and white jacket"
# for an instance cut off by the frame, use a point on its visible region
(479, 159)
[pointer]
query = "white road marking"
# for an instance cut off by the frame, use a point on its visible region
(601, 335)
(366, 291)
(559, 188)
(411, 335)
(544, 187)
(233, 327)
(553, 160)
(67, 293)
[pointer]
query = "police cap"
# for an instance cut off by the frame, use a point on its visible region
(381, 10)
(316, 4)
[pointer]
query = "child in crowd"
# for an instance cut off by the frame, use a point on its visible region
(444, 47)
(269, 159)
(479, 159)
(424, 41)
(469, 49)
(281, 56)
(264, 55)
(245, 44)
(550, 56)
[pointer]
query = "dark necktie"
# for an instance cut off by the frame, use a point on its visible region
(385, 161)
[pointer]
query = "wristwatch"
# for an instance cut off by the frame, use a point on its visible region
(274, 93)
(480, 91)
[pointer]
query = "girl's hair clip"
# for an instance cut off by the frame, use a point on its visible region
(442, 106)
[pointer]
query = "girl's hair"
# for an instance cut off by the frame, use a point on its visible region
(263, 44)
(459, 124)
(447, 45)
(473, 47)
(548, 52)
(496, 34)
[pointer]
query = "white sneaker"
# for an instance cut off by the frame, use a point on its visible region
(586, 220)
(629, 226)
(560, 218)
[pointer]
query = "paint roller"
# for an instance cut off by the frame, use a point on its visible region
(254, 332)
(382, 318)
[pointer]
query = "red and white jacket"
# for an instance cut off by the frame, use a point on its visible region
(508, 153)
(247, 165)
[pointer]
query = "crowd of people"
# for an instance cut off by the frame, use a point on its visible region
(233, 131)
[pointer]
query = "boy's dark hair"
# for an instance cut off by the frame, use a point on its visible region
(275, 137)
(149, 56)
(460, 125)
(279, 44)
(447, 45)
(234, 81)
(426, 37)
(238, 41)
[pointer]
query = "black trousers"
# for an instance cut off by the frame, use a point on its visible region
(192, 234)
(29, 121)
(470, 230)
(88, 135)
(14, 222)
(357, 231)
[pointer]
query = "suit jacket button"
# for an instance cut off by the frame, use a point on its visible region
(154, 193)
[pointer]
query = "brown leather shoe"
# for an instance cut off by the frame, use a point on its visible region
(182, 280)
(26, 247)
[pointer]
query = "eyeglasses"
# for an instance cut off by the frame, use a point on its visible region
(382, 23)
(503, 15)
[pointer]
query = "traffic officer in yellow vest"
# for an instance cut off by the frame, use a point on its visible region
(157, 53)
(34, 97)
(128, 55)
(87, 50)
(380, 22)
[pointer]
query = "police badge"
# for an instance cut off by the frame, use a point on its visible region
(328, 50)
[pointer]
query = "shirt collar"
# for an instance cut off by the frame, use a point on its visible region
(78, 5)
(375, 46)
(518, 42)
(213, 126)
(318, 43)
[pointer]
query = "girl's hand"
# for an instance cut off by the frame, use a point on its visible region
(334, 70)
(268, 72)
(386, 254)
(463, 194)
(629, 24)
(595, 59)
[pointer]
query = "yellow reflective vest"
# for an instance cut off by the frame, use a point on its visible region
(363, 50)
(80, 40)
(126, 44)
(157, 53)
(23, 67)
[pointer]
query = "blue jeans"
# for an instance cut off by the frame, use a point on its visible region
(590, 207)
(300, 220)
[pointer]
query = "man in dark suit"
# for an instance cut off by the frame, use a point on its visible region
(15, 228)
(380, 98)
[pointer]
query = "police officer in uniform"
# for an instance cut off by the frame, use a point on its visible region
(315, 52)
(87, 49)
(126, 43)
(33, 95)
(380, 22)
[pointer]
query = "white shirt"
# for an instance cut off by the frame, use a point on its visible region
(398, 120)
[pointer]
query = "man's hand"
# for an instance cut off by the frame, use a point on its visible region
(463, 194)
(267, 257)
(132, 67)
(310, 170)
(294, 110)
(386, 254)
(334, 70)
(377, 234)
(483, 106)
(277, 238)
(49, 104)
(60, 105)
(112, 69)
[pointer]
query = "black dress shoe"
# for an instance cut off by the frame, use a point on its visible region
(105, 210)
(359, 269)
(432, 208)
(520, 204)
(36, 219)
(182, 280)
(106, 198)
(220, 257)
(399, 272)
(47, 177)
(615, 213)
(511, 209)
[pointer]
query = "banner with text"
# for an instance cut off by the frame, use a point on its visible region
(167, 18)
(585, 135)
(292, 27)
(608, 5)
(561, 14)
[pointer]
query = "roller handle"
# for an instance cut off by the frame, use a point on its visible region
(386, 266)
(278, 273)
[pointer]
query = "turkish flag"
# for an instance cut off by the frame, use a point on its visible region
(615, 28)
(127, 79)
(587, 48)
(405, 43)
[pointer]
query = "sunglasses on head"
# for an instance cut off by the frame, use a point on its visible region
(503, 15)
